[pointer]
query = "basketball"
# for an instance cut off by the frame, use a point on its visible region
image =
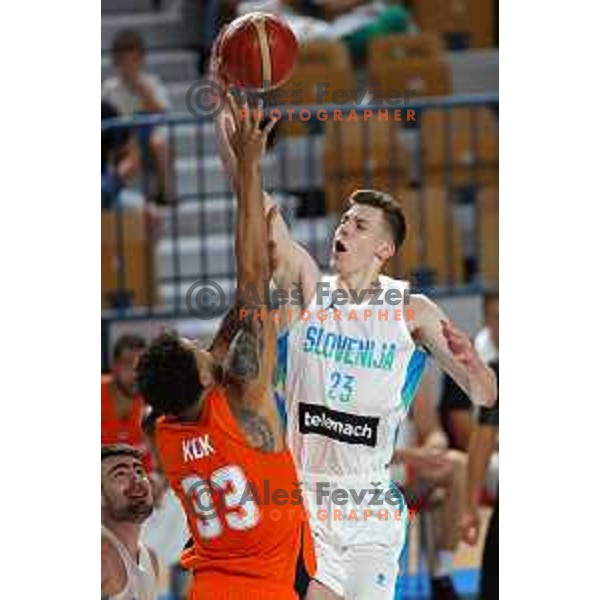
(257, 51)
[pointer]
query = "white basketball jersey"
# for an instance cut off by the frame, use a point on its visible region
(349, 382)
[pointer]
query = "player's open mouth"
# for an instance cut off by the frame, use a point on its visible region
(339, 246)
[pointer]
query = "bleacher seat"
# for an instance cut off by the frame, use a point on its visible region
(322, 74)
(361, 154)
(464, 23)
(410, 77)
(469, 136)
(433, 244)
(488, 217)
(393, 48)
(126, 240)
(318, 62)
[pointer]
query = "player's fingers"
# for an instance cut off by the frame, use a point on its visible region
(234, 109)
(458, 339)
(450, 330)
(452, 338)
(245, 113)
(449, 326)
(258, 115)
(458, 346)
(269, 126)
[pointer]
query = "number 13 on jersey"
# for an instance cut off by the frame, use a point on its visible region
(241, 512)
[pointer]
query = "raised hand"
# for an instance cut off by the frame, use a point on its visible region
(460, 345)
(246, 139)
(481, 378)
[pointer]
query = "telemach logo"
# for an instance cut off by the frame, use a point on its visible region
(337, 425)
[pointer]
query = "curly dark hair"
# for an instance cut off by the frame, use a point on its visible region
(167, 375)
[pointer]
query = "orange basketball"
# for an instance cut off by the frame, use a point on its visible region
(257, 51)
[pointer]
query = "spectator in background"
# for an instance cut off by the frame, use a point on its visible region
(479, 435)
(355, 22)
(214, 14)
(122, 407)
(120, 158)
(129, 567)
(433, 480)
(484, 440)
(456, 411)
(132, 91)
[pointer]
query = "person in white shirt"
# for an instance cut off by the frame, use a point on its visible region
(132, 91)
(129, 568)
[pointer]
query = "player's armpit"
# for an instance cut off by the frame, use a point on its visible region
(453, 351)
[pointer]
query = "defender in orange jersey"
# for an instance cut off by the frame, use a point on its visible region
(220, 440)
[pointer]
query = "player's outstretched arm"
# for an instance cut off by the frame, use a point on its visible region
(248, 142)
(251, 357)
(293, 265)
(453, 350)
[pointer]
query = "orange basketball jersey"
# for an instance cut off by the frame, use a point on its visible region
(126, 430)
(244, 507)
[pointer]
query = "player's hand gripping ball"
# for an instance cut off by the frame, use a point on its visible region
(257, 51)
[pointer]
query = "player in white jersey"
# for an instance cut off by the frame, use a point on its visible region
(129, 569)
(351, 369)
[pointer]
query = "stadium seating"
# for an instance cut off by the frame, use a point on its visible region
(408, 66)
(392, 48)
(464, 23)
(323, 75)
(433, 247)
(325, 62)
(459, 146)
(361, 155)
(488, 235)
(126, 242)
(410, 77)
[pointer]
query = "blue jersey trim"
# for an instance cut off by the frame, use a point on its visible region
(414, 374)
(281, 375)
